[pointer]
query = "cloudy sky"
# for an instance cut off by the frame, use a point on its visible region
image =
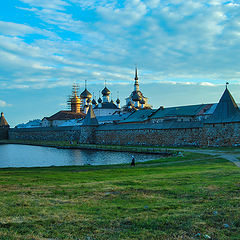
(185, 51)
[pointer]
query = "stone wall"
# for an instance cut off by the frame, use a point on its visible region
(208, 135)
(156, 137)
(3, 133)
(222, 134)
(45, 134)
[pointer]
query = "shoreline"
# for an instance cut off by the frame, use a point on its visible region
(114, 148)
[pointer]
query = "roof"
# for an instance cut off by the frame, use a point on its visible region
(191, 110)
(112, 118)
(30, 124)
(107, 105)
(140, 115)
(72, 122)
(65, 115)
(3, 121)
(226, 110)
(211, 109)
(90, 119)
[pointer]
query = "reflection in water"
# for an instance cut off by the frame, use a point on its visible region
(14, 155)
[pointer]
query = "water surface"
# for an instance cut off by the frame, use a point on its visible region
(15, 155)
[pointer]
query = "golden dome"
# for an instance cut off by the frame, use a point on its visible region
(75, 99)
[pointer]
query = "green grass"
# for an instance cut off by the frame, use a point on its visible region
(154, 200)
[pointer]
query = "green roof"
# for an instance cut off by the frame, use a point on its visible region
(191, 110)
(140, 115)
(226, 110)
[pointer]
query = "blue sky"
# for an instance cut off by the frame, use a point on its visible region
(185, 51)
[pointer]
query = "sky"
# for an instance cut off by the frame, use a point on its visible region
(185, 51)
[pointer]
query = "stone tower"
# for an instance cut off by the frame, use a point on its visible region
(4, 127)
(88, 128)
(3, 121)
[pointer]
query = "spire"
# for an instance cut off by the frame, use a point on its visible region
(90, 119)
(136, 76)
(227, 84)
(136, 84)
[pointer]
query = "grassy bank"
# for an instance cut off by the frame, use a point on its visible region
(187, 199)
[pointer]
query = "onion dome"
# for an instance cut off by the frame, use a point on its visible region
(99, 100)
(89, 100)
(130, 104)
(136, 97)
(118, 101)
(75, 99)
(86, 94)
(105, 92)
(142, 101)
(94, 102)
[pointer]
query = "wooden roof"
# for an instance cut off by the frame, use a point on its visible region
(65, 115)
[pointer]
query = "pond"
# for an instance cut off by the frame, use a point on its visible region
(15, 155)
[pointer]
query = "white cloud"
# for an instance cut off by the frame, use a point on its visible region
(207, 84)
(53, 4)
(4, 104)
(173, 41)
(15, 29)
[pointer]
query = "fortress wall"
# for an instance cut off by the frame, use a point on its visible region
(45, 134)
(209, 135)
(151, 137)
(216, 135)
(4, 133)
(221, 134)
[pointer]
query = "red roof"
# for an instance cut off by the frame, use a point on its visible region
(66, 115)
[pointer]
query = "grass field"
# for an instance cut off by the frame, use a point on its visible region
(172, 198)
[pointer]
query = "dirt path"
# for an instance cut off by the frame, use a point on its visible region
(232, 157)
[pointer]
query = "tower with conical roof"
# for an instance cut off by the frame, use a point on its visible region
(4, 127)
(88, 128)
(3, 121)
(226, 111)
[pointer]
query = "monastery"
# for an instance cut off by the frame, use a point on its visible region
(136, 123)
(105, 110)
